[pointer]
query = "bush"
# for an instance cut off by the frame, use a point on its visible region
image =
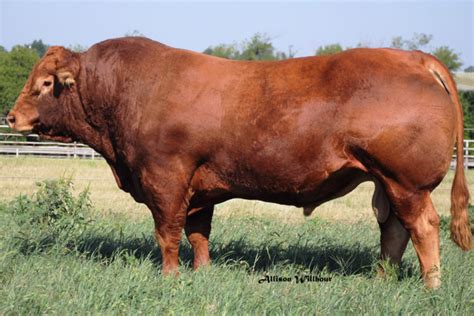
(52, 215)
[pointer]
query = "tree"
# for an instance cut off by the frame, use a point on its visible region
(329, 49)
(364, 44)
(39, 47)
(397, 42)
(448, 57)
(467, 101)
(418, 41)
(258, 47)
(469, 69)
(78, 48)
(291, 52)
(134, 33)
(15, 66)
(421, 41)
(229, 51)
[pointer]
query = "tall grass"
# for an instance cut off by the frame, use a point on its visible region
(58, 257)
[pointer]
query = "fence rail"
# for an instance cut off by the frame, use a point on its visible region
(468, 154)
(13, 144)
(47, 149)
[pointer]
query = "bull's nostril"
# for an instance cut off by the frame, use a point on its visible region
(11, 120)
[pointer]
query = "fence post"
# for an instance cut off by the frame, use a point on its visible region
(93, 155)
(466, 154)
(75, 153)
(17, 152)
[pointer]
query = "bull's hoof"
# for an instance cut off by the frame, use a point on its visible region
(387, 270)
(432, 283)
(432, 279)
(201, 263)
(170, 272)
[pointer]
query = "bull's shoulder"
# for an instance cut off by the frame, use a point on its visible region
(125, 48)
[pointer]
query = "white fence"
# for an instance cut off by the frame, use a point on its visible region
(12, 144)
(47, 149)
(468, 154)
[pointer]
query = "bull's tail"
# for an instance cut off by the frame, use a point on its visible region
(460, 226)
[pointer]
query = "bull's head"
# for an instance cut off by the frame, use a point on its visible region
(48, 100)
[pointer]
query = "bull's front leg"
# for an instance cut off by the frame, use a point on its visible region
(168, 230)
(167, 195)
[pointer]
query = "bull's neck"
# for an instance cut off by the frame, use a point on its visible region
(91, 129)
(99, 92)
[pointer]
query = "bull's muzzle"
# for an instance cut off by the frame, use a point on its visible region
(21, 123)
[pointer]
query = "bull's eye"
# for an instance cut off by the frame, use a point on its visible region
(47, 83)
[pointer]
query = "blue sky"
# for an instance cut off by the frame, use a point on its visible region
(195, 25)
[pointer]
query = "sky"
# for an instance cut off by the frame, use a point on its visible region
(303, 25)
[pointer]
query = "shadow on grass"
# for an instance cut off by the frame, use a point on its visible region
(345, 259)
(342, 259)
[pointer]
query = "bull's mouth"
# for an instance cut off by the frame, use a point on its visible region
(46, 133)
(27, 128)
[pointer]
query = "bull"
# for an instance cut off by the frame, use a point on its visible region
(183, 131)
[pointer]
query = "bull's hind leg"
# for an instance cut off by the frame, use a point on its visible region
(198, 229)
(393, 239)
(424, 232)
(393, 236)
(422, 222)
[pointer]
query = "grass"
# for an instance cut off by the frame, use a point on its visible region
(64, 253)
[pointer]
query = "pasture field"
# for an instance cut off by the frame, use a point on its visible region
(66, 254)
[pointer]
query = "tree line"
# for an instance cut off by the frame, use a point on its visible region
(16, 64)
(260, 47)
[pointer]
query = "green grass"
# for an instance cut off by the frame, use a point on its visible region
(59, 257)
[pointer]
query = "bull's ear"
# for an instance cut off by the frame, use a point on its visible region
(66, 79)
(65, 64)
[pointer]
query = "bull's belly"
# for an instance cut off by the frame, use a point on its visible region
(312, 193)
(309, 194)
